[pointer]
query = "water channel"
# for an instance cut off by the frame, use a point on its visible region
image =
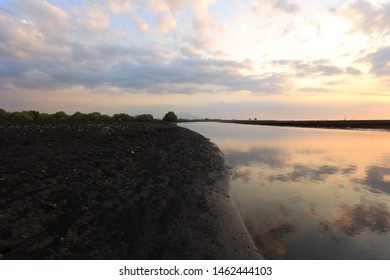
(309, 193)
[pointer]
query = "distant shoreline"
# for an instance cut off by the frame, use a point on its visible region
(336, 124)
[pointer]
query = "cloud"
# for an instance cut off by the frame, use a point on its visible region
(286, 6)
(202, 22)
(337, 82)
(166, 23)
(190, 52)
(93, 22)
(275, 6)
(7, 11)
(169, 12)
(191, 76)
(320, 67)
(39, 30)
(132, 68)
(38, 50)
(121, 7)
(380, 61)
(141, 25)
(353, 71)
(98, 17)
(313, 89)
(47, 18)
(366, 17)
(20, 39)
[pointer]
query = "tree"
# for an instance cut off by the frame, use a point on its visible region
(170, 117)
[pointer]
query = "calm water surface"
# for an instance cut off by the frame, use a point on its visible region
(309, 193)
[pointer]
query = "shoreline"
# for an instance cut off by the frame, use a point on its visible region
(232, 232)
(115, 190)
(334, 124)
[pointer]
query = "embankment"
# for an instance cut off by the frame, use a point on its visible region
(115, 190)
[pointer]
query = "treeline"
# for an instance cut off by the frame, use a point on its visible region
(95, 116)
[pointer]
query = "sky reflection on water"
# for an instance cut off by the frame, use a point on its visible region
(309, 193)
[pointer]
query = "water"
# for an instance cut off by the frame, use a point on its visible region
(309, 193)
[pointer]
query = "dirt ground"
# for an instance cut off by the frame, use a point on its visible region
(115, 190)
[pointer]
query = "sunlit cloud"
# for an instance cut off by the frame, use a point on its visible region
(277, 52)
(120, 7)
(140, 24)
(316, 68)
(367, 17)
(275, 6)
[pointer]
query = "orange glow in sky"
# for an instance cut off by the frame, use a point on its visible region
(284, 59)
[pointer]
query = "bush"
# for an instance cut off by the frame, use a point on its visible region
(105, 118)
(95, 116)
(170, 117)
(78, 116)
(144, 117)
(44, 116)
(24, 115)
(122, 117)
(34, 114)
(4, 115)
(61, 116)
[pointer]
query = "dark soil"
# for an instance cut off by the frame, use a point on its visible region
(107, 190)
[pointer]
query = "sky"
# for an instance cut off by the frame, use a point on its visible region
(264, 59)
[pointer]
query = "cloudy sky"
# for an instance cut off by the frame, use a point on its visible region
(269, 59)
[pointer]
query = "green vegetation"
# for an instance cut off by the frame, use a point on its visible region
(78, 116)
(61, 116)
(122, 117)
(170, 117)
(144, 117)
(4, 115)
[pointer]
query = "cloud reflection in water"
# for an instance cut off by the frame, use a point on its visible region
(310, 193)
(377, 179)
(271, 242)
(360, 219)
(272, 157)
(245, 176)
(301, 171)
